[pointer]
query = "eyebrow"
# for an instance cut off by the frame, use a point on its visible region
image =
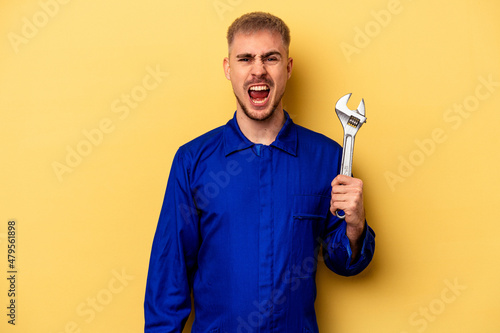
(265, 55)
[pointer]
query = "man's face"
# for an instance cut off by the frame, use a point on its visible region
(258, 67)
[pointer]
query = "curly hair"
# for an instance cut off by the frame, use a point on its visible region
(257, 21)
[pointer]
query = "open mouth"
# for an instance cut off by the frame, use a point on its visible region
(259, 94)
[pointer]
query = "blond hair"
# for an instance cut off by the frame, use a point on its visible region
(258, 21)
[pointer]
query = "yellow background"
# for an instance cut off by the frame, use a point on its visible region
(430, 172)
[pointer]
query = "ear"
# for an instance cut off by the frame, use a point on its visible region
(227, 68)
(289, 67)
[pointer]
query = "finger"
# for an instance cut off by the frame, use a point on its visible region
(334, 207)
(352, 199)
(354, 188)
(343, 202)
(339, 201)
(341, 180)
(348, 207)
(335, 202)
(346, 197)
(346, 181)
(339, 207)
(341, 194)
(340, 189)
(345, 189)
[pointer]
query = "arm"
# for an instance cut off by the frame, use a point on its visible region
(350, 243)
(172, 264)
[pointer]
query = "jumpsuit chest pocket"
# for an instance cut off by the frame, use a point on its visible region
(309, 215)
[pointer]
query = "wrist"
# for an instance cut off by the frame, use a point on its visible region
(354, 231)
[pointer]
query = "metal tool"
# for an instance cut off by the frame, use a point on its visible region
(351, 120)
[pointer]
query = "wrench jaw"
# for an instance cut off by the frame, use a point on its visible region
(342, 104)
(361, 108)
(350, 118)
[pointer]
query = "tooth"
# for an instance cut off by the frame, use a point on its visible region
(259, 101)
(259, 88)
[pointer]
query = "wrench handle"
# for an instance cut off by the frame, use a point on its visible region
(346, 165)
(348, 148)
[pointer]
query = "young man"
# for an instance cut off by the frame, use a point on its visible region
(248, 205)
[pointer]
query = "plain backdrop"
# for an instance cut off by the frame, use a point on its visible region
(96, 97)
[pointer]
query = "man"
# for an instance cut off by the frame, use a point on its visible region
(248, 205)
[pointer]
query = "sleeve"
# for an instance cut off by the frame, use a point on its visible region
(337, 249)
(173, 258)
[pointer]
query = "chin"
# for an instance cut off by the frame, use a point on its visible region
(259, 115)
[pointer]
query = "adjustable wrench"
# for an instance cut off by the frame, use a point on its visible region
(351, 120)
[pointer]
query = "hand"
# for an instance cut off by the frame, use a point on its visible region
(347, 195)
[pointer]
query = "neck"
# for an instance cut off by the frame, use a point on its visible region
(261, 131)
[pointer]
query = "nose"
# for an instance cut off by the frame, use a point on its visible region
(259, 68)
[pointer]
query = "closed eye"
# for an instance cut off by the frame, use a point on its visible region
(273, 56)
(244, 57)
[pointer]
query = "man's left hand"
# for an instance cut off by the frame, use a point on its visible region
(347, 195)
